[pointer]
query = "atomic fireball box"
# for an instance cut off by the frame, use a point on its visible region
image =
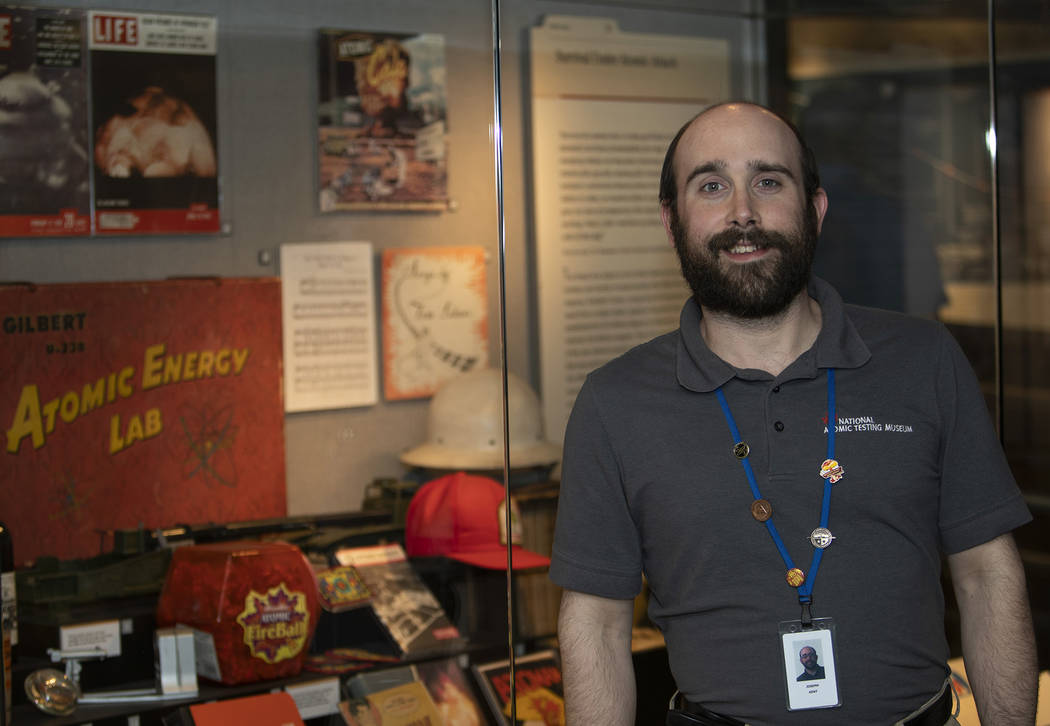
(253, 607)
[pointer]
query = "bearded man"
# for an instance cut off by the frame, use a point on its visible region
(780, 434)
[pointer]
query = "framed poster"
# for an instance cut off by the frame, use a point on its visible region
(381, 121)
(539, 694)
(153, 91)
(435, 319)
(138, 404)
(44, 165)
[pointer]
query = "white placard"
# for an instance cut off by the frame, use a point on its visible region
(328, 309)
(316, 698)
(103, 635)
(605, 105)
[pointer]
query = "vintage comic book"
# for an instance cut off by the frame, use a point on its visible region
(381, 121)
(403, 605)
(44, 165)
(450, 691)
(539, 697)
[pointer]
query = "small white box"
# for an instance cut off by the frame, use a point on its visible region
(176, 661)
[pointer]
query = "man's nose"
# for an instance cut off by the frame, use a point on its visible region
(742, 208)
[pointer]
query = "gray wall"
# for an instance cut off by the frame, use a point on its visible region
(267, 90)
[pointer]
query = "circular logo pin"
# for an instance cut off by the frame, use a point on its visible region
(795, 577)
(761, 510)
(741, 450)
(821, 537)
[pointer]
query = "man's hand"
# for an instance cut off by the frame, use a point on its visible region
(594, 638)
(997, 636)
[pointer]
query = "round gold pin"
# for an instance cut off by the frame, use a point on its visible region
(741, 450)
(795, 577)
(761, 510)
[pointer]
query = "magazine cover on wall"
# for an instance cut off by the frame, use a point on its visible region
(154, 123)
(435, 317)
(382, 121)
(44, 166)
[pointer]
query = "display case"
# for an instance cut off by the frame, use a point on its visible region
(341, 208)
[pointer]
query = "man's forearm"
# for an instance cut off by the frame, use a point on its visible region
(594, 638)
(997, 636)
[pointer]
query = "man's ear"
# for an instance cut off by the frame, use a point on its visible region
(820, 204)
(665, 216)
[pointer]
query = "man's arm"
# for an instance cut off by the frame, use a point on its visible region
(997, 637)
(594, 638)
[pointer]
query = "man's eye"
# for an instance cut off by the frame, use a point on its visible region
(711, 186)
(768, 183)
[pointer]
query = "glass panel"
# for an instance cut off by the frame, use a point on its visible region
(897, 110)
(1022, 85)
(592, 93)
(895, 99)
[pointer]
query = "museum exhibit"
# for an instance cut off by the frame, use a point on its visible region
(348, 344)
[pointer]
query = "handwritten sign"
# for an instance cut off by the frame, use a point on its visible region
(435, 322)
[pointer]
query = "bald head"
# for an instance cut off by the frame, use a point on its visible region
(807, 162)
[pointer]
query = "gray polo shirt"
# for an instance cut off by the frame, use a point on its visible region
(650, 484)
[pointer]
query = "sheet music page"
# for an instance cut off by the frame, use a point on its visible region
(328, 300)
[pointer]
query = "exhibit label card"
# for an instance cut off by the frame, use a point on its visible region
(605, 104)
(435, 317)
(44, 166)
(154, 122)
(329, 325)
(381, 121)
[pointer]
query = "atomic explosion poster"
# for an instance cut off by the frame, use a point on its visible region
(44, 166)
(138, 404)
(153, 91)
(382, 121)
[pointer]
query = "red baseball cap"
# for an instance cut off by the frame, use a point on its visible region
(462, 516)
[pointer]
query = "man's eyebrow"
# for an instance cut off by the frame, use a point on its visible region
(706, 168)
(755, 165)
(769, 166)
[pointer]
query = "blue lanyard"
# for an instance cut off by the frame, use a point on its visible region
(805, 590)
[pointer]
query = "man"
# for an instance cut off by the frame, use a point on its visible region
(811, 670)
(709, 459)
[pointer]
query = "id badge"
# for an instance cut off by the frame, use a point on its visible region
(809, 664)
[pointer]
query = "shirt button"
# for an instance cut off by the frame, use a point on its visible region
(776, 389)
(779, 425)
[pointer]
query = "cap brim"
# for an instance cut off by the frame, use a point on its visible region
(497, 559)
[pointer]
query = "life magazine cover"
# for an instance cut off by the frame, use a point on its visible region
(154, 120)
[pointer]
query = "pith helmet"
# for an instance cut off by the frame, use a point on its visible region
(465, 425)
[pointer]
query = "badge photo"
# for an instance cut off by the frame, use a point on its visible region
(809, 667)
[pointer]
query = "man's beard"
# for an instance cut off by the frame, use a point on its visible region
(752, 290)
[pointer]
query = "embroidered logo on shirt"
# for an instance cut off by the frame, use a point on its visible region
(854, 424)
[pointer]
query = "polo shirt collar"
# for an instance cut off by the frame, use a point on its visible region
(838, 345)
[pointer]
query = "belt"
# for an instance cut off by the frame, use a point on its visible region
(935, 712)
(689, 712)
